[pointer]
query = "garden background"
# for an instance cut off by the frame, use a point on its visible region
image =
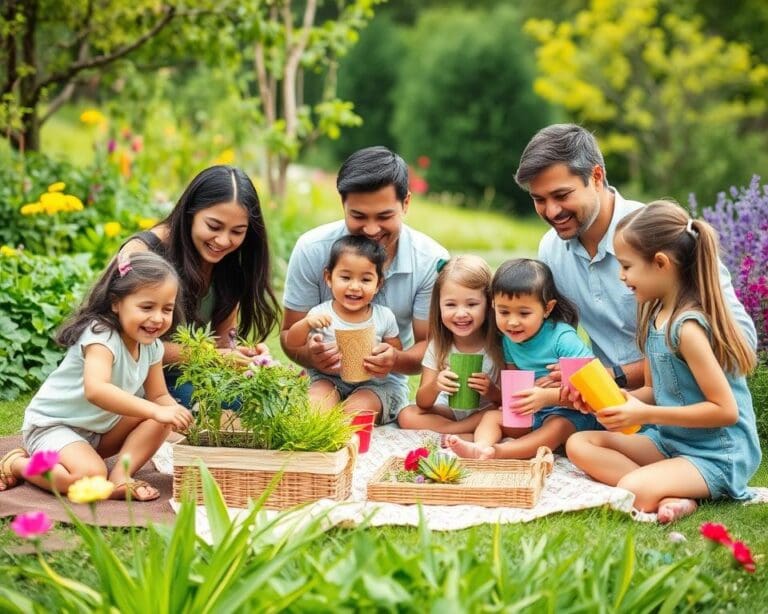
(105, 127)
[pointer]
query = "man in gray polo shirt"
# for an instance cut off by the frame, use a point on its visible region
(373, 185)
(563, 169)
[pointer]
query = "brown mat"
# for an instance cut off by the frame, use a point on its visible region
(27, 498)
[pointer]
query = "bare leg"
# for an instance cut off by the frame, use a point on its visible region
(608, 457)
(487, 433)
(363, 401)
(438, 419)
(668, 486)
(139, 440)
(553, 433)
(76, 461)
(323, 394)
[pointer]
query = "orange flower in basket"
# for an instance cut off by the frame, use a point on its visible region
(412, 459)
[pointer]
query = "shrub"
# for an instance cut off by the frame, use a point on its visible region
(465, 101)
(758, 386)
(36, 293)
(741, 221)
(112, 207)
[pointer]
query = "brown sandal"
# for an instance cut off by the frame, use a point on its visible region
(132, 487)
(7, 478)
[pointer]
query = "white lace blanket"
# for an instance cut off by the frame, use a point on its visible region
(567, 489)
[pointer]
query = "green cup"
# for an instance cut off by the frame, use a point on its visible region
(464, 365)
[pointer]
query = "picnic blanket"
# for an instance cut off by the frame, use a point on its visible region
(567, 489)
(28, 498)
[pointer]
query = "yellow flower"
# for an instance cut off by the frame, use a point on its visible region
(145, 223)
(8, 251)
(92, 117)
(225, 157)
(88, 490)
(72, 203)
(112, 229)
(31, 209)
(57, 187)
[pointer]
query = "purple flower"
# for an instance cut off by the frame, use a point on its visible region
(741, 221)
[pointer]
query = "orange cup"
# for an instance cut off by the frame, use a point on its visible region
(598, 389)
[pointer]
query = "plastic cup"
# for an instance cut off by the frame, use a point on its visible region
(513, 381)
(569, 366)
(464, 365)
(355, 345)
(599, 390)
(363, 424)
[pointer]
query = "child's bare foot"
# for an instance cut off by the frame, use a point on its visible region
(671, 509)
(469, 449)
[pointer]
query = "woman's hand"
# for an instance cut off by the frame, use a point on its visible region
(447, 381)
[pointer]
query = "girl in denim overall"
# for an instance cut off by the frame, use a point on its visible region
(701, 442)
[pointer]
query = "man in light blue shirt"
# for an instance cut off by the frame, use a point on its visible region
(373, 185)
(563, 169)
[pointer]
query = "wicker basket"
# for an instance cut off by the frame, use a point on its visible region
(243, 474)
(489, 483)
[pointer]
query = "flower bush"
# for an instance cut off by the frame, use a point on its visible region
(741, 220)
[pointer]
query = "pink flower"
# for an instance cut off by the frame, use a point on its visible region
(716, 532)
(423, 161)
(248, 373)
(743, 556)
(412, 459)
(31, 524)
(41, 463)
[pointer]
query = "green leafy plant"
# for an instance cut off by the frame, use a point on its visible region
(275, 412)
(36, 294)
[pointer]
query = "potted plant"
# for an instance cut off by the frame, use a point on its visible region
(274, 429)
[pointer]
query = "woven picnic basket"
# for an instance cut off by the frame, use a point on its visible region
(489, 483)
(244, 474)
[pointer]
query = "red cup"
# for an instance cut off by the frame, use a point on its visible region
(363, 423)
(513, 381)
(569, 366)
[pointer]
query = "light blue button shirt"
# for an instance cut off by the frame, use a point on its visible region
(408, 280)
(607, 308)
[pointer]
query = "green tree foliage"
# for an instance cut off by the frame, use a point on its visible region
(663, 95)
(465, 101)
(48, 45)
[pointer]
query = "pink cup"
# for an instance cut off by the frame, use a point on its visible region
(569, 366)
(513, 381)
(363, 425)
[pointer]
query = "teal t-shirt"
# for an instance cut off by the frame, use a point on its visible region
(554, 340)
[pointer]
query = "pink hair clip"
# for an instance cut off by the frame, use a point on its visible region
(124, 265)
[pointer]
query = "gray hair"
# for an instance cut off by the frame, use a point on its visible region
(560, 144)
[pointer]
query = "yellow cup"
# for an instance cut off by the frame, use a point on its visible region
(598, 389)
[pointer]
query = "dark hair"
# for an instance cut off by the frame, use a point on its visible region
(361, 246)
(371, 169)
(146, 269)
(664, 226)
(527, 277)
(243, 276)
(567, 144)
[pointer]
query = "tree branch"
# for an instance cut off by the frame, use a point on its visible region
(101, 60)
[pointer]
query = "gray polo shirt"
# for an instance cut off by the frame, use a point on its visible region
(607, 308)
(407, 285)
